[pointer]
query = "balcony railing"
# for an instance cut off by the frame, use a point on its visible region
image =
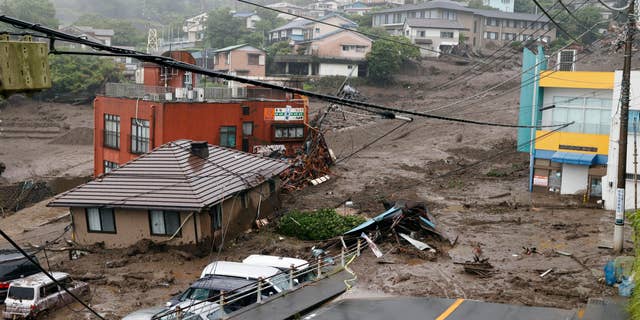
(155, 93)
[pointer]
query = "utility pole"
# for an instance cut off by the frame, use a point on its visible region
(618, 229)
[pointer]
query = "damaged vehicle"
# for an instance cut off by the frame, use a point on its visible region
(33, 295)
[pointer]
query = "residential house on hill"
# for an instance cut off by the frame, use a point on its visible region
(483, 27)
(357, 8)
(502, 5)
(250, 19)
(242, 60)
(195, 27)
(103, 36)
(183, 192)
(437, 35)
(292, 31)
(325, 50)
(339, 52)
(302, 29)
(287, 7)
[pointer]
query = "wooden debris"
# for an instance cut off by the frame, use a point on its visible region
(478, 267)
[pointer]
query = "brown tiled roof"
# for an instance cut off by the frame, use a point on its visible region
(172, 178)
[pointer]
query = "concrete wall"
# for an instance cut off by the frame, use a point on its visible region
(609, 182)
(574, 179)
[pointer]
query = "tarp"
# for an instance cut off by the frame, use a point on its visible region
(574, 158)
(374, 220)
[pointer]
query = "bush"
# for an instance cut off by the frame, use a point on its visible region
(634, 301)
(316, 225)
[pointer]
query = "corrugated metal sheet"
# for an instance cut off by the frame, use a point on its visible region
(171, 178)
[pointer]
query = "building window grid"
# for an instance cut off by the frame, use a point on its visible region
(446, 34)
(111, 131)
(164, 223)
(289, 132)
(101, 220)
(109, 166)
(228, 136)
(591, 115)
(139, 136)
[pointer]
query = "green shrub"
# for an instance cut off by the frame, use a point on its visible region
(316, 225)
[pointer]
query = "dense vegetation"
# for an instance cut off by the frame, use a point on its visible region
(316, 225)
(80, 77)
(386, 57)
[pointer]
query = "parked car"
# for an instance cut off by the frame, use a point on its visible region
(32, 295)
(279, 281)
(145, 314)
(283, 264)
(209, 288)
(13, 265)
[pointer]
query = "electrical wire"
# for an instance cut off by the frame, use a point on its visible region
(346, 158)
(554, 22)
(464, 74)
(604, 4)
(45, 272)
(169, 62)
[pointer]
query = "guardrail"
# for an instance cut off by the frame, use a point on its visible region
(316, 269)
(159, 93)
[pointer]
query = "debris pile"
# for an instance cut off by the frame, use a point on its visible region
(480, 267)
(406, 220)
(310, 166)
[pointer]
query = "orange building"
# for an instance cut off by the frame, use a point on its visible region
(132, 119)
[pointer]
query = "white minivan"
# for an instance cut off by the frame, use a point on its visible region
(303, 273)
(30, 296)
(277, 280)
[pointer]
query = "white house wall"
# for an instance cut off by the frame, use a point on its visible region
(609, 182)
(334, 69)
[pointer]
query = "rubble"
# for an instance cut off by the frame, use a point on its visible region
(479, 267)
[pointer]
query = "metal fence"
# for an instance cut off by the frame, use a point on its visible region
(159, 93)
(215, 307)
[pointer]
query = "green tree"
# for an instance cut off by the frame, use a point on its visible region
(223, 30)
(386, 57)
(80, 76)
(125, 33)
(37, 11)
(365, 20)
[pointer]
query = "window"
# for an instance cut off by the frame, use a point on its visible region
(446, 34)
(449, 15)
(139, 135)
(509, 36)
(491, 35)
(245, 110)
(422, 34)
(272, 186)
(216, 217)
(289, 132)
(164, 223)
(591, 115)
(492, 22)
(101, 220)
(111, 131)
(254, 59)
(108, 166)
(247, 128)
(350, 47)
(317, 31)
(49, 290)
(228, 137)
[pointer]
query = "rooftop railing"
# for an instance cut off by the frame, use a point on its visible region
(158, 93)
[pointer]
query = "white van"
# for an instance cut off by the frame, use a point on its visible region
(284, 264)
(279, 281)
(28, 297)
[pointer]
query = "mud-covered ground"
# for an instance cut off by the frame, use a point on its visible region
(469, 175)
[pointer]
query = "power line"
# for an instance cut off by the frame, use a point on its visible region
(64, 287)
(554, 22)
(465, 74)
(169, 62)
(371, 35)
(345, 158)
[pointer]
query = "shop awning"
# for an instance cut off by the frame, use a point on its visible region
(574, 158)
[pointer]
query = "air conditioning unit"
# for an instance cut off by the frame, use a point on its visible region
(168, 96)
(566, 60)
(180, 93)
(200, 94)
(190, 95)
